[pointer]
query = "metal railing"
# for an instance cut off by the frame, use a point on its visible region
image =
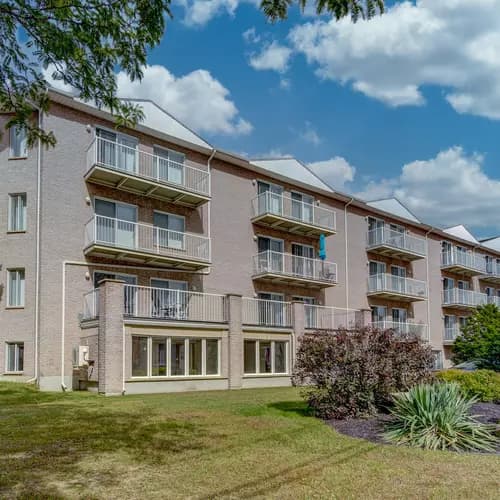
(179, 305)
(265, 312)
(493, 299)
(493, 268)
(91, 305)
(293, 265)
(460, 258)
(285, 206)
(146, 238)
(129, 160)
(394, 239)
(403, 327)
(330, 318)
(457, 296)
(397, 284)
(451, 333)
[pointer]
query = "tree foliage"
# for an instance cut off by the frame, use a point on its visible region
(350, 373)
(479, 340)
(278, 9)
(83, 42)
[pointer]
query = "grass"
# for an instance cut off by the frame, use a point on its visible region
(237, 444)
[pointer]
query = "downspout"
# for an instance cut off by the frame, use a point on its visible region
(37, 250)
(209, 211)
(346, 255)
(427, 274)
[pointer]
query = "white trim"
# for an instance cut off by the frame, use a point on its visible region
(273, 361)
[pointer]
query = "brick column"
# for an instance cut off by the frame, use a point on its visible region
(299, 325)
(110, 338)
(235, 348)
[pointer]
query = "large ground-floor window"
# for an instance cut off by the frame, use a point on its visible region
(265, 357)
(174, 356)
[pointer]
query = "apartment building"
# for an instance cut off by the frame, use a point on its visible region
(147, 260)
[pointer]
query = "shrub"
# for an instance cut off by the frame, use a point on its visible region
(484, 384)
(436, 417)
(479, 340)
(350, 373)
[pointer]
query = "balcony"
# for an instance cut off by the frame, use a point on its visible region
(451, 333)
(390, 287)
(144, 302)
(492, 273)
(145, 244)
(266, 313)
(464, 299)
(465, 263)
(403, 327)
(331, 318)
(284, 213)
(128, 169)
(284, 268)
(397, 245)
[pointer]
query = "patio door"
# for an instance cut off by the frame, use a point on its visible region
(377, 275)
(375, 231)
(271, 313)
(379, 314)
(117, 224)
(270, 198)
(270, 254)
(168, 298)
(117, 150)
(129, 298)
(170, 165)
(172, 229)
(302, 207)
(398, 275)
(303, 260)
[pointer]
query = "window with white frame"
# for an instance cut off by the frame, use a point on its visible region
(17, 212)
(175, 356)
(14, 362)
(265, 357)
(18, 142)
(15, 288)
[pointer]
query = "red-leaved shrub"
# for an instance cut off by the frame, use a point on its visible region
(351, 373)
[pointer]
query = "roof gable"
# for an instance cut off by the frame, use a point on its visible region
(461, 232)
(394, 207)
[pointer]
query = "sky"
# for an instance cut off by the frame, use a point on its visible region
(405, 105)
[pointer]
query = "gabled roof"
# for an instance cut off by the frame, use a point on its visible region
(393, 206)
(292, 168)
(461, 232)
(492, 243)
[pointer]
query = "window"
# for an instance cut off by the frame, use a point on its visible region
(270, 198)
(15, 357)
(303, 260)
(170, 165)
(375, 231)
(168, 299)
(265, 357)
(18, 142)
(115, 223)
(17, 212)
(171, 232)
(310, 312)
(15, 288)
(272, 311)
(174, 356)
(302, 207)
(438, 360)
(270, 258)
(116, 150)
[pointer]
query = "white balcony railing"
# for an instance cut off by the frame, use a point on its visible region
(493, 268)
(459, 258)
(397, 285)
(179, 305)
(459, 297)
(265, 312)
(451, 333)
(493, 299)
(130, 160)
(402, 241)
(403, 327)
(292, 265)
(91, 305)
(330, 318)
(119, 233)
(285, 206)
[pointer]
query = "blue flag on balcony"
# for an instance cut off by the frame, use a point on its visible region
(322, 247)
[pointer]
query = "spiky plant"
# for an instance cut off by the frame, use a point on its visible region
(437, 417)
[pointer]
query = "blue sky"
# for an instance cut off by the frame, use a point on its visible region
(407, 105)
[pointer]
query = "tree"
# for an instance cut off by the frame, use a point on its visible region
(480, 339)
(278, 9)
(83, 42)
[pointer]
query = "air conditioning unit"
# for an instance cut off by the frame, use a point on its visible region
(83, 355)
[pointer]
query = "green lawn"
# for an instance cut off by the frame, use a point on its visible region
(249, 443)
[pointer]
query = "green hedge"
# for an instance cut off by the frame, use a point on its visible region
(485, 384)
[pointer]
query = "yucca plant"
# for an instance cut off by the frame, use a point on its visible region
(437, 417)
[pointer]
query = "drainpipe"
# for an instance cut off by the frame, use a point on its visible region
(209, 211)
(123, 359)
(37, 250)
(346, 255)
(427, 273)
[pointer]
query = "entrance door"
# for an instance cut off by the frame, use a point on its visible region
(270, 254)
(116, 224)
(270, 198)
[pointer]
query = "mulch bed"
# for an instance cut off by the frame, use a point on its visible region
(373, 428)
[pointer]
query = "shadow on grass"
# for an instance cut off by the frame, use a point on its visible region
(299, 408)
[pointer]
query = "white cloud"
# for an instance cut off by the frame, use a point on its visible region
(273, 56)
(454, 44)
(336, 172)
(310, 135)
(200, 12)
(285, 83)
(197, 99)
(451, 188)
(250, 35)
(56, 83)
